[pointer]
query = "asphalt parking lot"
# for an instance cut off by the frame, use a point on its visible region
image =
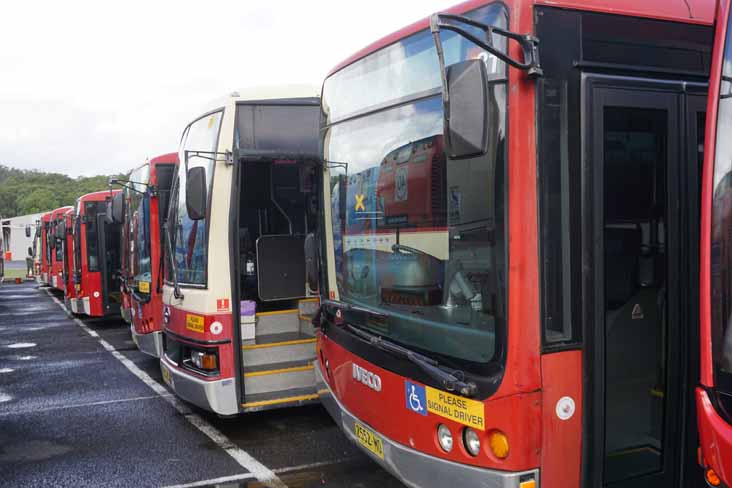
(81, 406)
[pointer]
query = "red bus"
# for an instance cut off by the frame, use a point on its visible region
(56, 237)
(96, 257)
(68, 256)
(43, 276)
(145, 197)
(538, 328)
(714, 394)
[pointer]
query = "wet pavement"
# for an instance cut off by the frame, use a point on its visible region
(71, 413)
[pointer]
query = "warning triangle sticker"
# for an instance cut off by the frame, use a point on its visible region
(637, 313)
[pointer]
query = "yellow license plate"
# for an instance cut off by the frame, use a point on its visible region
(369, 440)
(166, 375)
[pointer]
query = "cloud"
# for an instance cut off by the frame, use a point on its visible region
(90, 87)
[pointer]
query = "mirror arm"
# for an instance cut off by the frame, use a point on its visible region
(226, 157)
(529, 44)
(128, 185)
(176, 287)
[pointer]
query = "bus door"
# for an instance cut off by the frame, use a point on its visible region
(639, 219)
(714, 393)
(109, 254)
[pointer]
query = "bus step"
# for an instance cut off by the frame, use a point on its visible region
(278, 322)
(278, 399)
(277, 377)
(278, 348)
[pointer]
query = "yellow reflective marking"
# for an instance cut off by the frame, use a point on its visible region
(462, 410)
(359, 202)
(279, 371)
(194, 323)
(300, 398)
(276, 312)
(143, 286)
(277, 344)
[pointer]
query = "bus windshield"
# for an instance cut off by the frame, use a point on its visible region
(414, 235)
(139, 251)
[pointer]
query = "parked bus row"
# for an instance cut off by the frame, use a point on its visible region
(495, 245)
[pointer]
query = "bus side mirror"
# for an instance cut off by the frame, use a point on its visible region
(116, 209)
(27, 231)
(60, 230)
(196, 193)
(30, 251)
(467, 118)
(312, 261)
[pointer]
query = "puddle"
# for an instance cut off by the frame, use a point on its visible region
(31, 451)
(27, 358)
(21, 345)
(6, 370)
(5, 398)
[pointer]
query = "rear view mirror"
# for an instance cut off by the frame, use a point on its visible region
(312, 261)
(27, 231)
(467, 115)
(116, 209)
(196, 193)
(30, 251)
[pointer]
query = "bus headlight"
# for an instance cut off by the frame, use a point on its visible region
(444, 437)
(204, 361)
(471, 441)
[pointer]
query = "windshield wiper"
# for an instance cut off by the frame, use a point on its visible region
(349, 307)
(176, 287)
(447, 379)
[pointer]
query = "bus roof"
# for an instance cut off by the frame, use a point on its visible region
(262, 93)
(170, 158)
(687, 11)
(60, 211)
(97, 196)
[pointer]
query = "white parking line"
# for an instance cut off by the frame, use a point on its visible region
(214, 481)
(256, 469)
(78, 405)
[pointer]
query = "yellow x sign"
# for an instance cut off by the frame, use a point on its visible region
(359, 202)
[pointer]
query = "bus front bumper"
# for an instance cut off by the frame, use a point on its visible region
(218, 396)
(416, 469)
(151, 344)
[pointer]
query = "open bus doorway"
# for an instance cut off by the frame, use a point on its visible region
(276, 151)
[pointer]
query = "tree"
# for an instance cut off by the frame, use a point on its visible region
(23, 191)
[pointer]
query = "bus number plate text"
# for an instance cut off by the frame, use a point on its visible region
(369, 440)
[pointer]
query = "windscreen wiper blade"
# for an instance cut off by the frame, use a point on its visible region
(447, 379)
(173, 267)
(349, 307)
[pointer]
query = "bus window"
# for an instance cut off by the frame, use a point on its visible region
(189, 237)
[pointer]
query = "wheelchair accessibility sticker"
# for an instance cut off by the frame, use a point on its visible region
(422, 399)
(416, 398)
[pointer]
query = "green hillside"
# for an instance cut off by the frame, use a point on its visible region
(24, 192)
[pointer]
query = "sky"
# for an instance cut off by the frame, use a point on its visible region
(92, 88)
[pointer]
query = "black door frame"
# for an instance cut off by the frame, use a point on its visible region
(598, 91)
(102, 258)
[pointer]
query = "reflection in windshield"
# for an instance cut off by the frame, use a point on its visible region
(414, 234)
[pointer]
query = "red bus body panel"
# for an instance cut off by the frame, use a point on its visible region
(147, 317)
(69, 288)
(90, 287)
(56, 267)
(524, 405)
(715, 434)
(45, 265)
